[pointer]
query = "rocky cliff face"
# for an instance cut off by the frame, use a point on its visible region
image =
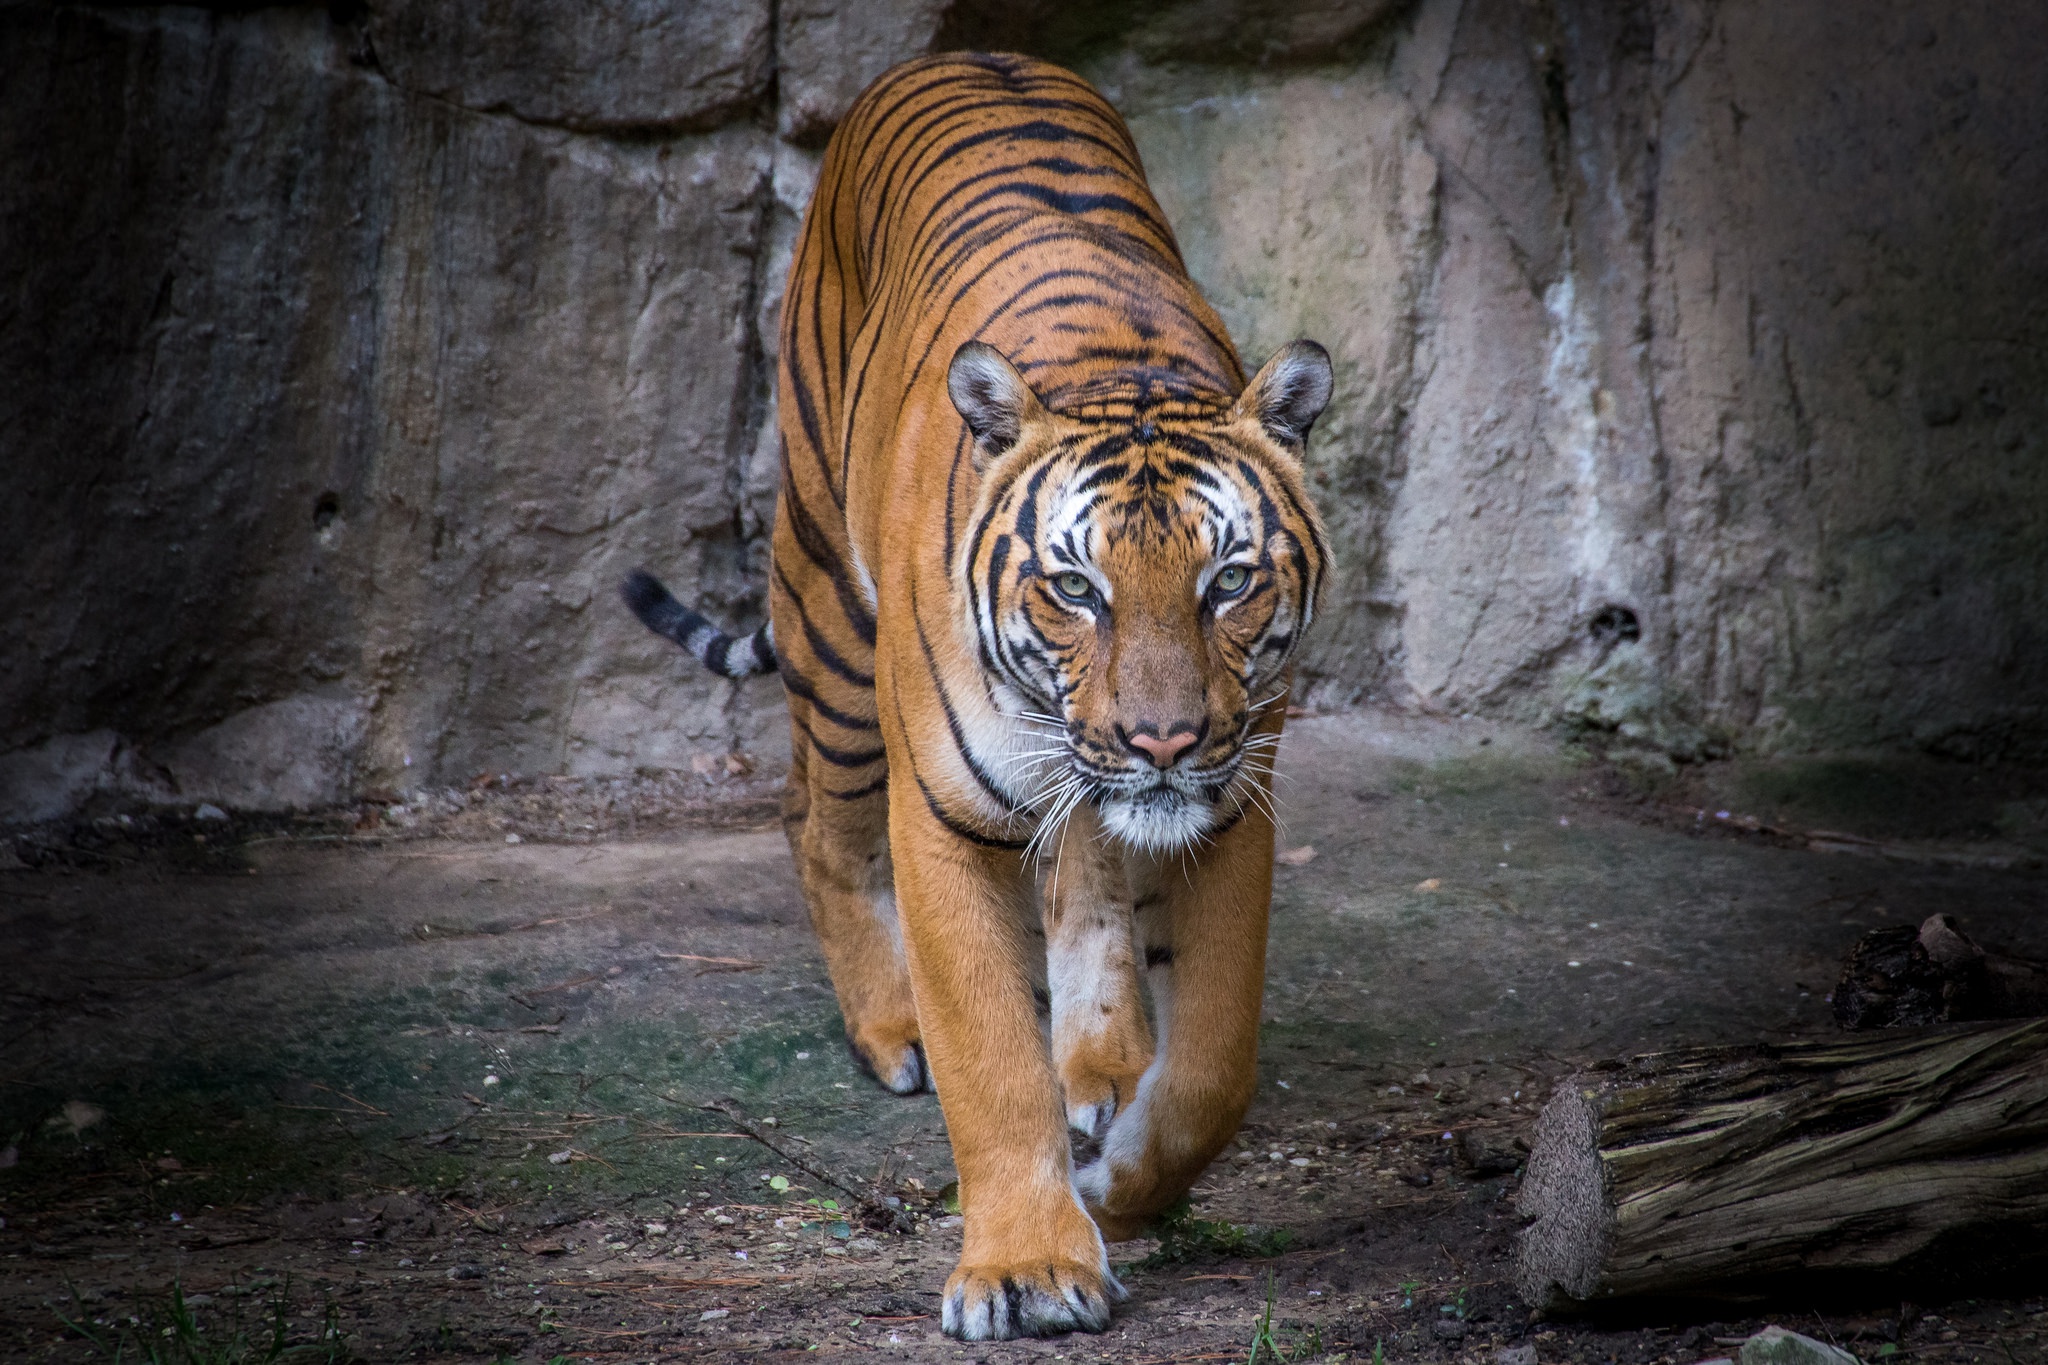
(1691, 362)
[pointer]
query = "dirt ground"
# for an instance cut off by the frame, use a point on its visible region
(553, 1070)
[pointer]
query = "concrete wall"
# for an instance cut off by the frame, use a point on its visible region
(1691, 362)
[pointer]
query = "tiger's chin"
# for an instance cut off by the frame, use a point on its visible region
(1159, 820)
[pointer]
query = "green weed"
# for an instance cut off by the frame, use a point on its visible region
(171, 1333)
(1184, 1237)
(1268, 1346)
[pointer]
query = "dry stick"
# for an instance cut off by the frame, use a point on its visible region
(571, 983)
(371, 1108)
(898, 1219)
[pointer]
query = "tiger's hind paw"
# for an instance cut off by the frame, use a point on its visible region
(897, 1067)
(997, 1303)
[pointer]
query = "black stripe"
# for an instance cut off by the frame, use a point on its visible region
(841, 758)
(796, 683)
(818, 548)
(880, 784)
(819, 645)
(931, 663)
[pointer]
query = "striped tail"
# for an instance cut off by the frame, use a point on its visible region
(744, 656)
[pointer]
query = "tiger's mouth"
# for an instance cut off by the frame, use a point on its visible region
(1154, 811)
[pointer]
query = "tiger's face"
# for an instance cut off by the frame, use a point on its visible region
(1138, 585)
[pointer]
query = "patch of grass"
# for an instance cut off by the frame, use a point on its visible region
(1183, 1237)
(171, 1333)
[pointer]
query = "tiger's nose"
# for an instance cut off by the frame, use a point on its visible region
(1162, 750)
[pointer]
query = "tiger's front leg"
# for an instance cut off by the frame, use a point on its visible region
(1101, 1043)
(1205, 944)
(1032, 1263)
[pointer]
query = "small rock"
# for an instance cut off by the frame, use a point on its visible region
(76, 1117)
(514, 839)
(209, 811)
(1296, 857)
(468, 1270)
(714, 1314)
(563, 1157)
(1776, 1346)
(10, 1157)
(1447, 1329)
(1525, 1354)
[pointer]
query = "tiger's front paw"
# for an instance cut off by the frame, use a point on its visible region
(1095, 1094)
(1036, 1298)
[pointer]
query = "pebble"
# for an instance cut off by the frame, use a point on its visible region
(1777, 1346)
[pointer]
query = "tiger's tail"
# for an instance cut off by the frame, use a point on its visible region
(729, 656)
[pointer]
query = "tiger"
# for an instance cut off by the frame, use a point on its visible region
(1042, 560)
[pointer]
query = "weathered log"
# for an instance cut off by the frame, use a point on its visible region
(1934, 975)
(1712, 1171)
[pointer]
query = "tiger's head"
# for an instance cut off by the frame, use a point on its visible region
(1138, 576)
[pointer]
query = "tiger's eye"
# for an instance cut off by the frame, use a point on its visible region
(1074, 586)
(1231, 580)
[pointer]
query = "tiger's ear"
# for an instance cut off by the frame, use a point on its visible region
(992, 398)
(1290, 392)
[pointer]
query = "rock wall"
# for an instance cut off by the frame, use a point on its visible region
(1691, 362)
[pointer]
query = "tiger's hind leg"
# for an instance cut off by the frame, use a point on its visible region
(841, 848)
(836, 810)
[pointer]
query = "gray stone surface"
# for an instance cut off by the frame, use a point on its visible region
(827, 51)
(645, 65)
(356, 357)
(1659, 307)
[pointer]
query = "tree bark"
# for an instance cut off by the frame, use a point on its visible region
(1705, 1171)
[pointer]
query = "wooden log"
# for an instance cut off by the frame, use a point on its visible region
(1717, 1171)
(1902, 977)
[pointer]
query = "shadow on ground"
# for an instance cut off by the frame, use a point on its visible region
(586, 1095)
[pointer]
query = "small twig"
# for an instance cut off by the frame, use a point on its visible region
(718, 964)
(666, 1133)
(371, 1108)
(570, 984)
(559, 919)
